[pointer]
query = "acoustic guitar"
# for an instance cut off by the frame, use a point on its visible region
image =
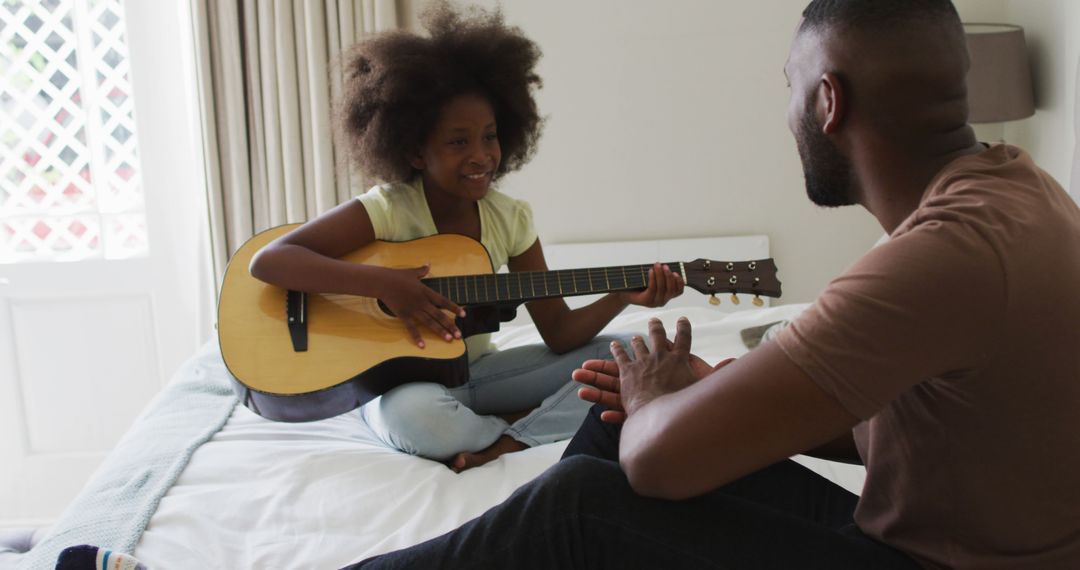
(304, 357)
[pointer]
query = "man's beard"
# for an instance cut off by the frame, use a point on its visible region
(827, 172)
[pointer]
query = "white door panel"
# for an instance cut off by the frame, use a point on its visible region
(84, 345)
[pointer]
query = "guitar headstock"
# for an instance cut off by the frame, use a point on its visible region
(756, 277)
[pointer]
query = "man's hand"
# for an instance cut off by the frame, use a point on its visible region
(602, 377)
(608, 385)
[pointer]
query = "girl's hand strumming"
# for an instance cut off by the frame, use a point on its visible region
(417, 305)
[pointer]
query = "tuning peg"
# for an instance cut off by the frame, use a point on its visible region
(713, 300)
(757, 301)
(734, 299)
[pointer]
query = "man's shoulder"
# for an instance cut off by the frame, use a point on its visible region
(1000, 191)
(1001, 172)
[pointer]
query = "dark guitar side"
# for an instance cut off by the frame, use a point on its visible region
(304, 357)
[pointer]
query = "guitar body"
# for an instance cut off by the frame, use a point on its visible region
(304, 357)
(354, 351)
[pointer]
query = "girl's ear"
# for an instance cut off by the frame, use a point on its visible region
(417, 161)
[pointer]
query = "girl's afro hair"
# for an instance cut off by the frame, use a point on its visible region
(396, 84)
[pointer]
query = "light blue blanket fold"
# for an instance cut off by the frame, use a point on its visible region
(115, 506)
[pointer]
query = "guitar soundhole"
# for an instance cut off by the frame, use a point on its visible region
(385, 309)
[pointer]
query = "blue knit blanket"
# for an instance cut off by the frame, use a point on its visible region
(115, 506)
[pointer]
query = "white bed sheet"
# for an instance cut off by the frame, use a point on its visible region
(262, 494)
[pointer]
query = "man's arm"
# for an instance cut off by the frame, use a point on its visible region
(752, 413)
(841, 449)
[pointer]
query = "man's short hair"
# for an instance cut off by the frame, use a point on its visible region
(876, 14)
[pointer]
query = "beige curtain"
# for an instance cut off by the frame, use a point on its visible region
(268, 75)
(1074, 183)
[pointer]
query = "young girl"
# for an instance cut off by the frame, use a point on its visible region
(444, 117)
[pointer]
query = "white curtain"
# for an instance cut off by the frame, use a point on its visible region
(268, 75)
(1074, 183)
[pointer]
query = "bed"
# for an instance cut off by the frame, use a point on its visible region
(327, 493)
(201, 482)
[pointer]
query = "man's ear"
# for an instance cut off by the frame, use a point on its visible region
(831, 103)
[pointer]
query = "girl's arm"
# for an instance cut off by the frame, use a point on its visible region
(563, 329)
(305, 259)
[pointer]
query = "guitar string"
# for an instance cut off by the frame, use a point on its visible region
(558, 277)
(579, 278)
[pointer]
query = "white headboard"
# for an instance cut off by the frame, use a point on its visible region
(730, 248)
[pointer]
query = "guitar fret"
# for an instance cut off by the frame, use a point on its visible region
(588, 274)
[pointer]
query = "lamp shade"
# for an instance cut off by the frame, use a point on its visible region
(999, 83)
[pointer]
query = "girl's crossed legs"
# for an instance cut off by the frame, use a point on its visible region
(436, 422)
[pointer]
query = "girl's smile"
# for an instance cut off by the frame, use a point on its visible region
(460, 157)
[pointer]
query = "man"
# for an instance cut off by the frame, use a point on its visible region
(947, 360)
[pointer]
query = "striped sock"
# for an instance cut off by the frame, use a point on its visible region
(85, 557)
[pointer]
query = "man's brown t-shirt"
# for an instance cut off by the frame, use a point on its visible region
(957, 342)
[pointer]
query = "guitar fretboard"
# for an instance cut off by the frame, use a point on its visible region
(522, 286)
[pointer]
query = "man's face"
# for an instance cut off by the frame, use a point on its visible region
(828, 173)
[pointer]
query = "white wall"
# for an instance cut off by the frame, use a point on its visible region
(667, 119)
(1052, 28)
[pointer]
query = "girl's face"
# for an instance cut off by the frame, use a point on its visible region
(462, 152)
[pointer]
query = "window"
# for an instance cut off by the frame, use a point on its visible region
(69, 172)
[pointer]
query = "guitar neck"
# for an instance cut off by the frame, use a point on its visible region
(521, 286)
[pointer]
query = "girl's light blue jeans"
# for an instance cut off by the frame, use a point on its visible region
(436, 422)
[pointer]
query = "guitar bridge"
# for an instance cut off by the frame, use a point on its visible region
(296, 318)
